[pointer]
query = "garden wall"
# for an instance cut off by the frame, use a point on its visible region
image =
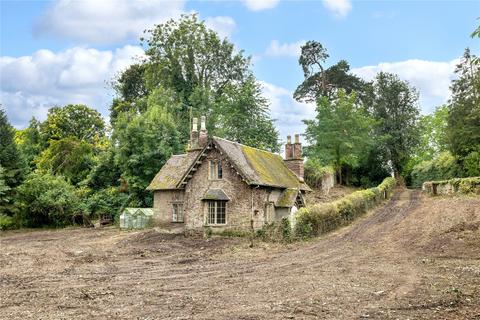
(452, 186)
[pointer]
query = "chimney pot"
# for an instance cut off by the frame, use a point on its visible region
(289, 139)
(297, 138)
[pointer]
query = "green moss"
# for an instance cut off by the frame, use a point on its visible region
(288, 196)
(270, 168)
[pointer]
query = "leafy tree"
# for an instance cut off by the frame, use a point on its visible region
(324, 82)
(5, 198)
(108, 201)
(463, 132)
(10, 158)
(433, 138)
(77, 121)
(201, 74)
(144, 143)
(47, 200)
(246, 118)
(29, 142)
(444, 166)
(395, 107)
(69, 157)
(106, 172)
(340, 132)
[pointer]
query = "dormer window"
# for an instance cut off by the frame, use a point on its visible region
(215, 170)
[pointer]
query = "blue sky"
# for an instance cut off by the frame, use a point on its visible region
(56, 52)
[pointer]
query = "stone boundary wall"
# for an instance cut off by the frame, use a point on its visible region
(452, 186)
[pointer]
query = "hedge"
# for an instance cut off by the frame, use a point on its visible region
(457, 185)
(322, 218)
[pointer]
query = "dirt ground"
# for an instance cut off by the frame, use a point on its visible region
(414, 258)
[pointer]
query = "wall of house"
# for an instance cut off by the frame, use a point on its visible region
(162, 205)
(246, 203)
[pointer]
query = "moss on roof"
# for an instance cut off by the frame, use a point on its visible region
(287, 198)
(173, 171)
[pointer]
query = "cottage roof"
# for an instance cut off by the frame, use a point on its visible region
(287, 198)
(257, 167)
(173, 171)
(260, 167)
(216, 194)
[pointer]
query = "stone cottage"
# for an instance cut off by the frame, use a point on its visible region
(226, 185)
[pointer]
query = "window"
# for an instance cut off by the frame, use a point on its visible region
(177, 212)
(215, 170)
(216, 212)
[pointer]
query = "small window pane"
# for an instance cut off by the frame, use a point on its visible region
(211, 212)
(221, 212)
(177, 212)
(212, 170)
(219, 171)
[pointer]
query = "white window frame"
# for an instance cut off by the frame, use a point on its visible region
(216, 205)
(178, 216)
(215, 170)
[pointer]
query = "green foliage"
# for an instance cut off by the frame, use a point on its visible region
(144, 143)
(471, 164)
(322, 218)
(442, 167)
(324, 82)
(463, 132)
(340, 132)
(69, 157)
(6, 222)
(456, 185)
(315, 172)
(395, 106)
(48, 200)
(106, 202)
(433, 137)
(29, 142)
(280, 231)
(79, 121)
(10, 158)
(245, 119)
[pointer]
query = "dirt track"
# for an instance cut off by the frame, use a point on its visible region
(414, 258)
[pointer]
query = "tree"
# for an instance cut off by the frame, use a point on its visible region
(395, 107)
(340, 132)
(68, 157)
(463, 132)
(432, 134)
(144, 143)
(77, 121)
(47, 200)
(201, 74)
(29, 142)
(324, 82)
(10, 158)
(244, 117)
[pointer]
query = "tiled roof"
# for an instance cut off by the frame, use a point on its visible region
(257, 167)
(216, 194)
(173, 171)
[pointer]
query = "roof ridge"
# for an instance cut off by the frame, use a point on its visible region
(244, 145)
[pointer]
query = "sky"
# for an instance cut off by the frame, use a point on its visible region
(63, 51)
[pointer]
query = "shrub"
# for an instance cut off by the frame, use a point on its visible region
(471, 164)
(108, 201)
(6, 222)
(48, 200)
(443, 167)
(322, 218)
(314, 173)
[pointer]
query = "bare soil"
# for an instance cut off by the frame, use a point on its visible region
(414, 258)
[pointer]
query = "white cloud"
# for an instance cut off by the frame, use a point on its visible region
(105, 21)
(32, 84)
(277, 49)
(258, 5)
(223, 25)
(287, 112)
(431, 78)
(339, 8)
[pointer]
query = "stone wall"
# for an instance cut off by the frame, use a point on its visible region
(452, 186)
(246, 202)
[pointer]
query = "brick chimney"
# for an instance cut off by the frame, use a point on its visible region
(203, 137)
(193, 143)
(293, 156)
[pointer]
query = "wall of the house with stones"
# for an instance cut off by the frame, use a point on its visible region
(162, 205)
(246, 202)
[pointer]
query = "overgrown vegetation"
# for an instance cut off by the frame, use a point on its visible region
(322, 218)
(457, 185)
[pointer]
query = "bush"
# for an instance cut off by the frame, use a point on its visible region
(314, 173)
(443, 167)
(280, 231)
(6, 222)
(322, 218)
(471, 164)
(106, 202)
(47, 200)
